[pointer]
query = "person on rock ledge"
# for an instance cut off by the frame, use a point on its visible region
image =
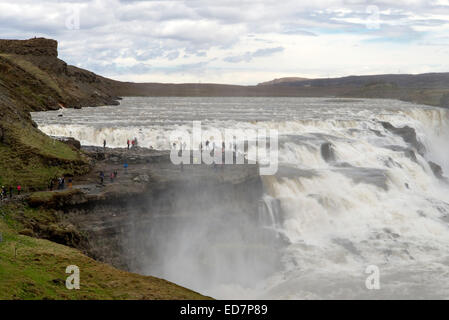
(101, 177)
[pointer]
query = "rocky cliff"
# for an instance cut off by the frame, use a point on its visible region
(111, 221)
(32, 78)
(35, 47)
(32, 74)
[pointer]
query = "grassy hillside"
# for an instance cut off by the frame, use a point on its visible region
(33, 70)
(33, 268)
(31, 159)
(33, 83)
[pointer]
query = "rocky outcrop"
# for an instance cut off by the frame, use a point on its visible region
(408, 134)
(114, 223)
(57, 199)
(33, 73)
(112, 215)
(69, 141)
(34, 47)
(32, 78)
(436, 169)
(327, 152)
(408, 152)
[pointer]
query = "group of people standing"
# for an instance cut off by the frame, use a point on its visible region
(60, 181)
(10, 189)
(112, 176)
(208, 145)
(129, 143)
(132, 143)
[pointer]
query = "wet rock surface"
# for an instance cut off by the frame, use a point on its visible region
(327, 152)
(373, 176)
(149, 189)
(436, 169)
(408, 134)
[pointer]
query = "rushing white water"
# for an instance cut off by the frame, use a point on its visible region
(374, 200)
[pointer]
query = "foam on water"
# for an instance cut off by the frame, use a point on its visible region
(377, 202)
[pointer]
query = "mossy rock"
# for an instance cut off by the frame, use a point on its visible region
(57, 199)
(27, 232)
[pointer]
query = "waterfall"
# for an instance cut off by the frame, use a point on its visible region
(360, 183)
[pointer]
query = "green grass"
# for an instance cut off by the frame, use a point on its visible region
(30, 138)
(35, 269)
(31, 159)
(31, 174)
(54, 199)
(33, 70)
(43, 196)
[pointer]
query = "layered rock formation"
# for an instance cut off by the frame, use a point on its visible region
(32, 78)
(34, 47)
(114, 215)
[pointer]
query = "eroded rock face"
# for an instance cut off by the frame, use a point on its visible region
(436, 169)
(35, 47)
(117, 224)
(327, 152)
(57, 200)
(69, 141)
(116, 217)
(409, 153)
(408, 134)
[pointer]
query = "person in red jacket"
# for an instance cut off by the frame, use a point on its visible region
(19, 188)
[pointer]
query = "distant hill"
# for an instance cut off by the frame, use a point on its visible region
(418, 81)
(282, 80)
(427, 88)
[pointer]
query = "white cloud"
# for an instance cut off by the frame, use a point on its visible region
(230, 41)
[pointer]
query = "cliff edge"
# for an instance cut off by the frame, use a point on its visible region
(35, 47)
(32, 78)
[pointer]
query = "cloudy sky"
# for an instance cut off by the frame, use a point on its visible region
(241, 42)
